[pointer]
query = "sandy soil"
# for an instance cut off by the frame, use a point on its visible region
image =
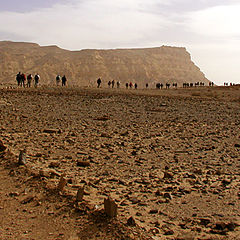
(169, 159)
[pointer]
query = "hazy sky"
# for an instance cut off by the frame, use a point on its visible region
(209, 29)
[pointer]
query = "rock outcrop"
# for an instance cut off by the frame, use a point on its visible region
(150, 65)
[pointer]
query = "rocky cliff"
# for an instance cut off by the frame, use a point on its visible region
(149, 65)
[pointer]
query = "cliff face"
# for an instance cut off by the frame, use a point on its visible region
(162, 64)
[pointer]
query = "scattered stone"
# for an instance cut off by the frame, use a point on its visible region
(123, 134)
(83, 163)
(38, 155)
(154, 231)
(186, 236)
(118, 147)
(44, 173)
(62, 183)
(134, 200)
(168, 232)
(166, 167)
(167, 195)
(122, 182)
(153, 211)
(82, 153)
(134, 152)
(204, 221)
(168, 175)
(106, 135)
(223, 227)
(80, 194)
(48, 173)
(156, 238)
(123, 203)
(158, 193)
(52, 131)
(13, 194)
(160, 201)
(103, 118)
(54, 164)
(2, 147)
(198, 171)
(142, 203)
(27, 199)
(22, 157)
(163, 105)
(226, 181)
(54, 172)
(131, 222)
(110, 207)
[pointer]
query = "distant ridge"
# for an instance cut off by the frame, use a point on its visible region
(142, 65)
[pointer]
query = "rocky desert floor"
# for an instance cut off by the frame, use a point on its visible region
(170, 159)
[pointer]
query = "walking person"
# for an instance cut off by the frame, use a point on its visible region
(118, 84)
(18, 78)
(64, 80)
(99, 81)
(36, 80)
(29, 80)
(23, 79)
(113, 83)
(58, 79)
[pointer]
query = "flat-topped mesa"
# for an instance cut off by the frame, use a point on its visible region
(147, 65)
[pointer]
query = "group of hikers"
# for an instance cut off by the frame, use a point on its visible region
(230, 84)
(59, 78)
(131, 85)
(111, 84)
(22, 78)
(26, 81)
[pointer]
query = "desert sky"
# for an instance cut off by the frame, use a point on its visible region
(209, 29)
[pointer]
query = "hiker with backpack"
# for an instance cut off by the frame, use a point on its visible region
(29, 80)
(36, 79)
(99, 81)
(58, 79)
(23, 79)
(113, 83)
(18, 78)
(64, 80)
(118, 84)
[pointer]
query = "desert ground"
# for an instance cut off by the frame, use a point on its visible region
(168, 158)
